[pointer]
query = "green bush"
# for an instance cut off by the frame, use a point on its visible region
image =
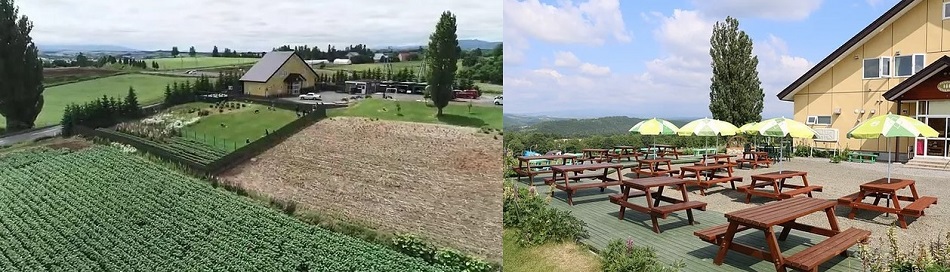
(802, 151)
(624, 257)
(538, 223)
(415, 247)
(932, 258)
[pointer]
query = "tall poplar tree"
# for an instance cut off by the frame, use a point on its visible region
(735, 95)
(21, 70)
(442, 57)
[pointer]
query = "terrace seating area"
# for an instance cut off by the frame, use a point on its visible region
(763, 197)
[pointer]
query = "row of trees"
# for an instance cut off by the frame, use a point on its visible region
(185, 92)
(331, 53)
(228, 53)
(102, 112)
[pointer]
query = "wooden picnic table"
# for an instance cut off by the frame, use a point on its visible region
(654, 167)
(717, 158)
(882, 189)
(779, 181)
(526, 169)
(705, 175)
(561, 173)
(754, 159)
(784, 213)
(625, 151)
(663, 150)
(644, 187)
(596, 155)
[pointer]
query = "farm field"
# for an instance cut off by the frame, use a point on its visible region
(366, 66)
(438, 181)
(198, 62)
(67, 74)
(548, 257)
(414, 111)
(489, 88)
(149, 88)
(102, 209)
(240, 125)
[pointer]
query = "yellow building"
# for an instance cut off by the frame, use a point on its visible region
(897, 64)
(278, 74)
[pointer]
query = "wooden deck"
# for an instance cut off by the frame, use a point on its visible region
(677, 241)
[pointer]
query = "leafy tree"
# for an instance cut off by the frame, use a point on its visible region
(21, 70)
(442, 58)
(469, 60)
(191, 52)
(82, 60)
(214, 52)
(175, 51)
(735, 94)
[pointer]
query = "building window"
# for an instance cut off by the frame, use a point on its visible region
(877, 67)
(818, 120)
(946, 10)
(908, 65)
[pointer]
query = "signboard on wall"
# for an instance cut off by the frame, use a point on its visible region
(944, 86)
(826, 134)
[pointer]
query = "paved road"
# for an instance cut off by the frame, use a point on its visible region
(32, 135)
(334, 97)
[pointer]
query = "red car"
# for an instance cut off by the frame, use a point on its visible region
(466, 94)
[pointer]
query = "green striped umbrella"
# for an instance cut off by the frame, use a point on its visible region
(709, 128)
(747, 128)
(891, 126)
(654, 126)
(783, 127)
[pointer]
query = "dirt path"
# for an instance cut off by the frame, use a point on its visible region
(441, 182)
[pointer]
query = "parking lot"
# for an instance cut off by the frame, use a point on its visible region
(335, 97)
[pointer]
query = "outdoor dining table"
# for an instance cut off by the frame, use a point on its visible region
(526, 169)
(779, 181)
(717, 158)
(888, 190)
(705, 175)
(654, 167)
(624, 151)
(595, 155)
(561, 173)
(663, 150)
(784, 213)
(754, 159)
(644, 187)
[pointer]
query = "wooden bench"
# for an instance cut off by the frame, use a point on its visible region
(803, 190)
(848, 199)
(663, 211)
(705, 184)
(862, 157)
(575, 177)
(754, 163)
(916, 209)
(715, 234)
(810, 258)
(615, 198)
(655, 173)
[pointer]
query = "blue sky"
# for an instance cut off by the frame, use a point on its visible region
(651, 58)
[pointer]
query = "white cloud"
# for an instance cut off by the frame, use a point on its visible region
(254, 25)
(592, 22)
(594, 70)
(772, 9)
(675, 84)
(566, 59)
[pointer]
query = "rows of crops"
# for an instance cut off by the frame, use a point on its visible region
(103, 210)
(184, 148)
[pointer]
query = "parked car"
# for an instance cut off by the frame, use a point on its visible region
(191, 72)
(498, 100)
(310, 96)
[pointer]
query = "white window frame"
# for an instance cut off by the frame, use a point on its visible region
(830, 120)
(945, 15)
(913, 64)
(923, 62)
(811, 120)
(881, 73)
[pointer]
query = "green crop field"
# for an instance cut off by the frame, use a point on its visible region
(414, 111)
(367, 66)
(149, 88)
(100, 209)
(181, 63)
(240, 125)
(489, 88)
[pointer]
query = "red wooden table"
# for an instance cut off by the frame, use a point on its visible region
(526, 169)
(779, 181)
(717, 158)
(595, 155)
(888, 189)
(561, 173)
(654, 167)
(625, 151)
(644, 187)
(756, 158)
(705, 175)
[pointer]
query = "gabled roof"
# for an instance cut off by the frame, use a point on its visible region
(936, 67)
(852, 43)
(265, 68)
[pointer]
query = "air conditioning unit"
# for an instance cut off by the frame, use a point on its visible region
(811, 120)
(837, 111)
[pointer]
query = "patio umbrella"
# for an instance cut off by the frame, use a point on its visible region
(708, 128)
(654, 127)
(783, 127)
(890, 126)
(747, 129)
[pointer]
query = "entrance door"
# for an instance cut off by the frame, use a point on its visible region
(294, 87)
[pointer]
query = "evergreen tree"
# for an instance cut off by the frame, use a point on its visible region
(131, 104)
(21, 70)
(442, 58)
(214, 52)
(735, 94)
(175, 51)
(82, 60)
(191, 52)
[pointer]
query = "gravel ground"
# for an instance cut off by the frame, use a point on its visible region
(843, 179)
(437, 181)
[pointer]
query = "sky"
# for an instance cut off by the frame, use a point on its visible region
(651, 58)
(254, 25)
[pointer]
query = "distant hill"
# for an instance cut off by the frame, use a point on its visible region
(464, 44)
(513, 121)
(584, 127)
(83, 48)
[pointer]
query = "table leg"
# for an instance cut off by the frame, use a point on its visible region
(785, 230)
(897, 208)
(521, 166)
(832, 219)
(913, 191)
(626, 193)
(726, 242)
(778, 187)
(659, 192)
(853, 210)
(805, 181)
(776, 251)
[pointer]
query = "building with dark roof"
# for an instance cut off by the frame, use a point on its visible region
(277, 74)
(897, 64)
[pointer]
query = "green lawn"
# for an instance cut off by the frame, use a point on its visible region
(149, 88)
(414, 111)
(546, 258)
(240, 125)
(198, 62)
(489, 88)
(367, 66)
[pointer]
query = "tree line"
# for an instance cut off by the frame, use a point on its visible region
(331, 53)
(102, 112)
(481, 66)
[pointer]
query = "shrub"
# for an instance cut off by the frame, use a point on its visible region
(538, 223)
(415, 247)
(622, 257)
(925, 258)
(802, 151)
(203, 113)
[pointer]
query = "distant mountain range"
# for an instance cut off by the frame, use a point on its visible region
(574, 127)
(83, 48)
(469, 44)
